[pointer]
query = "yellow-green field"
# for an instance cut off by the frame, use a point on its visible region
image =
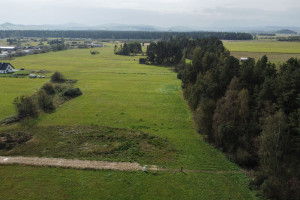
(274, 57)
(120, 93)
(275, 50)
(263, 46)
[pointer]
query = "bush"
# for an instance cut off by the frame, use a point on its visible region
(49, 88)
(45, 101)
(8, 141)
(73, 92)
(26, 106)
(58, 77)
(142, 61)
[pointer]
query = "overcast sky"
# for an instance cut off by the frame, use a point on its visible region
(191, 13)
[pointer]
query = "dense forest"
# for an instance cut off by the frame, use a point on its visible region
(249, 110)
(120, 34)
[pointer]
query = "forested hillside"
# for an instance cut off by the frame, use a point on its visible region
(121, 34)
(249, 110)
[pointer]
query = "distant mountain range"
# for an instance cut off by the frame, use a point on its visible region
(141, 27)
(108, 27)
(286, 31)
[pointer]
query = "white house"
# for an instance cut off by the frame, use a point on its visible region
(6, 68)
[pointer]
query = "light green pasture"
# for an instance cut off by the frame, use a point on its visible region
(118, 92)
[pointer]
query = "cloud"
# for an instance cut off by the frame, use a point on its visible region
(156, 12)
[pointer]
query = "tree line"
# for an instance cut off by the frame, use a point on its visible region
(131, 48)
(121, 34)
(59, 89)
(289, 39)
(249, 110)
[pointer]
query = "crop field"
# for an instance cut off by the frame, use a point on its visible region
(275, 50)
(274, 57)
(263, 46)
(118, 93)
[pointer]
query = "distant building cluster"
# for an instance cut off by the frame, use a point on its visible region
(6, 51)
(92, 45)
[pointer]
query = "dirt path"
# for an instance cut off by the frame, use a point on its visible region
(70, 163)
(87, 164)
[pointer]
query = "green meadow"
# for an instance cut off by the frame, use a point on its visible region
(120, 93)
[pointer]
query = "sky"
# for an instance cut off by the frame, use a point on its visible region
(164, 13)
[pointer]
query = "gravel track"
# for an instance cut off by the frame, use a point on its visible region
(70, 163)
(88, 164)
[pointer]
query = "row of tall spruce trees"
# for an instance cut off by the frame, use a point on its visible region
(249, 110)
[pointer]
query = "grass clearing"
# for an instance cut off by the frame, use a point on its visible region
(120, 93)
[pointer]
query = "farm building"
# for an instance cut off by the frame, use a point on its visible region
(6, 68)
(5, 48)
(95, 45)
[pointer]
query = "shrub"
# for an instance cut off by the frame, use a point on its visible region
(142, 61)
(49, 88)
(58, 77)
(8, 141)
(26, 106)
(60, 88)
(73, 92)
(45, 101)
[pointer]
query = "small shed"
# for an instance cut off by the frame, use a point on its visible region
(6, 68)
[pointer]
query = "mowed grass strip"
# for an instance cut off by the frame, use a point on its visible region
(263, 46)
(24, 182)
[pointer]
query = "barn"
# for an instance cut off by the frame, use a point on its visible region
(6, 68)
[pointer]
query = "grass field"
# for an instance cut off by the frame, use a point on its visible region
(53, 183)
(120, 93)
(260, 46)
(274, 57)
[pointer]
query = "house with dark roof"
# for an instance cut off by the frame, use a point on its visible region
(6, 68)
